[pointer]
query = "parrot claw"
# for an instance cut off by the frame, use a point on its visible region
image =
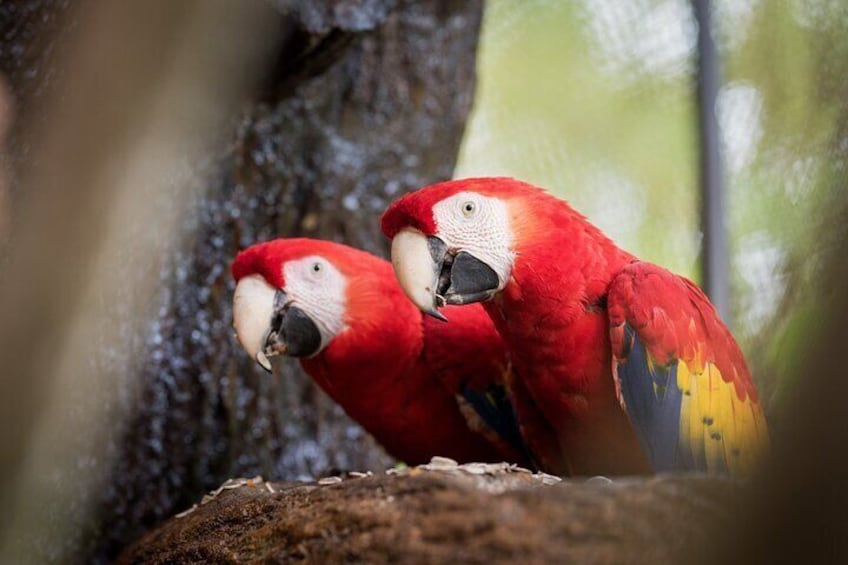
(262, 359)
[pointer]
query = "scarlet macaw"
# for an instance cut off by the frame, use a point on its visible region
(623, 366)
(417, 385)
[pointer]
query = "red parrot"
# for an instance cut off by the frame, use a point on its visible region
(618, 365)
(420, 387)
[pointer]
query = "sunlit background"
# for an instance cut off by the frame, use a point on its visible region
(595, 100)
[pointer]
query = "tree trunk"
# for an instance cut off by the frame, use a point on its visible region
(367, 99)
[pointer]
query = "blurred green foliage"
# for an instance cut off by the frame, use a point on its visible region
(594, 100)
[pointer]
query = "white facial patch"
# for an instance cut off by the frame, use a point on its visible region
(315, 286)
(479, 225)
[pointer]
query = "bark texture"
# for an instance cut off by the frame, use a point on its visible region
(366, 99)
(448, 516)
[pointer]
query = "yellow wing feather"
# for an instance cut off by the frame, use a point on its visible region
(718, 428)
(712, 437)
(684, 440)
(726, 422)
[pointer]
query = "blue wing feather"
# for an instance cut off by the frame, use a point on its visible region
(653, 400)
(495, 409)
(680, 375)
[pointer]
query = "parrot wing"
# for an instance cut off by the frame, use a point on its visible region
(680, 375)
(490, 412)
(468, 357)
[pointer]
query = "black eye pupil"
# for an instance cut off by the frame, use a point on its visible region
(316, 267)
(469, 207)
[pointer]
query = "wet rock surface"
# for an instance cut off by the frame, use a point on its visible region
(440, 513)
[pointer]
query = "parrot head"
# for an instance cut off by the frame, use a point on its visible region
(292, 295)
(455, 242)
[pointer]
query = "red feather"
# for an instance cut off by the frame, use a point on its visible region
(676, 321)
(553, 317)
(395, 374)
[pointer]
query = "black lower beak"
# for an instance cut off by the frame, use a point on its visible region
(463, 278)
(292, 331)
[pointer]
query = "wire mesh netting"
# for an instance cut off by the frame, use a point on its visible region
(595, 101)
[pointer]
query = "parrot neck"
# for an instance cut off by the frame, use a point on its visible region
(561, 258)
(375, 370)
(552, 314)
(558, 287)
(366, 360)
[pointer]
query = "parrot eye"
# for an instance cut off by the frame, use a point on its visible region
(316, 267)
(469, 209)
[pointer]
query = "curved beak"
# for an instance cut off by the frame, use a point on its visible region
(267, 324)
(417, 268)
(253, 308)
(433, 275)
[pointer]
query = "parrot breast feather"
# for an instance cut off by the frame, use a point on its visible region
(680, 375)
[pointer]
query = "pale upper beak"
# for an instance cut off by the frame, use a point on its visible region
(253, 309)
(432, 274)
(268, 323)
(416, 271)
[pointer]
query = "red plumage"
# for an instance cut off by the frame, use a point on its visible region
(572, 310)
(397, 375)
(678, 322)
